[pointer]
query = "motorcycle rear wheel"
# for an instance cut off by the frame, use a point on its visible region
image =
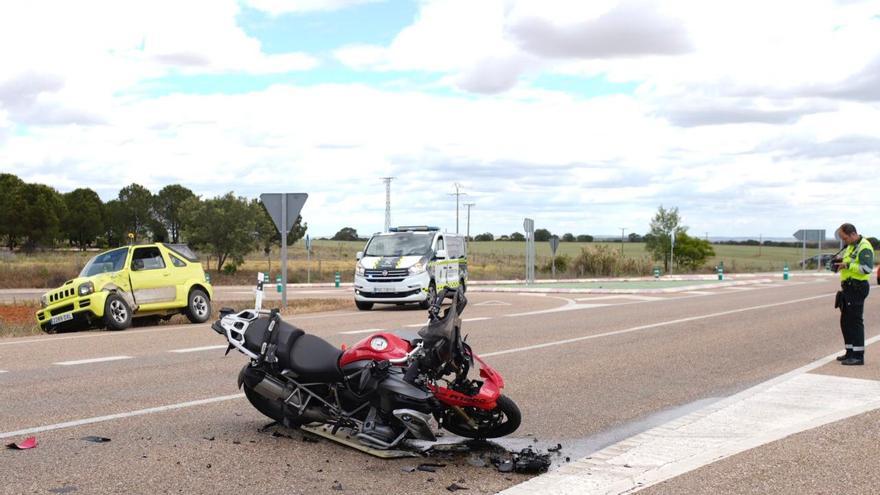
(499, 422)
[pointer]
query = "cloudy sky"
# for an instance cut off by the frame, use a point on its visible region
(753, 117)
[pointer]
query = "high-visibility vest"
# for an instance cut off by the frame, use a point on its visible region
(858, 260)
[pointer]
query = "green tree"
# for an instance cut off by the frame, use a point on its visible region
(11, 205)
(633, 237)
(691, 252)
(224, 226)
(115, 231)
(516, 236)
(664, 223)
(568, 237)
(83, 221)
(136, 202)
(41, 215)
(486, 236)
(167, 206)
(542, 235)
(585, 238)
(346, 234)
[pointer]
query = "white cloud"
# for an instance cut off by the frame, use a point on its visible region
(277, 7)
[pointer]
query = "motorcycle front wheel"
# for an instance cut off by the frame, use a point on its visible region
(499, 422)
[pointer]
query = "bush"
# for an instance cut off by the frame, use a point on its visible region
(563, 261)
(602, 261)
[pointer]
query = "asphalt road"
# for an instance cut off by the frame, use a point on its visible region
(586, 372)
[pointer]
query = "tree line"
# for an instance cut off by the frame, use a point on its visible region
(34, 216)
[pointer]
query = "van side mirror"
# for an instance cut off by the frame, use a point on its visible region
(440, 254)
(359, 255)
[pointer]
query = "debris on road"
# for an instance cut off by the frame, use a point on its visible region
(95, 439)
(455, 487)
(27, 443)
(555, 449)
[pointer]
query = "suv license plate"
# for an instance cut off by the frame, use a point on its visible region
(384, 289)
(61, 318)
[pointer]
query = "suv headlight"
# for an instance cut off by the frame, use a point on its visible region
(417, 268)
(359, 269)
(86, 289)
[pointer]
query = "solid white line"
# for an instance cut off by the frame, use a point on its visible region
(368, 330)
(95, 360)
(197, 349)
(4, 371)
(99, 419)
(652, 325)
(479, 318)
(416, 325)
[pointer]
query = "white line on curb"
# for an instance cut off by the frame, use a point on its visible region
(94, 360)
(652, 325)
(197, 349)
(99, 419)
(368, 330)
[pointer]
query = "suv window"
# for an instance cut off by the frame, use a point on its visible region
(111, 261)
(148, 258)
(177, 261)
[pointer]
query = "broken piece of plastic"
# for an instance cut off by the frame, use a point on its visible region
(27, 443)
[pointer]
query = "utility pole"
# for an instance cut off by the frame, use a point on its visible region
(387, 181)
(622, 230)
(760, 243)
(468, 205)
(457, 195)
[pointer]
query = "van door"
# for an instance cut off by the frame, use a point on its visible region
(440, 265)
(151, 282)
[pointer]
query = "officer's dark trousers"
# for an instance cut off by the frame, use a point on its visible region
(852, 309)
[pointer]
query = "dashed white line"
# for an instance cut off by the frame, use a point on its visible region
(416, 325)
(4, 371)
(90, 361)
(110, 417)
(368, 330)
(197, 349)
(479, 318)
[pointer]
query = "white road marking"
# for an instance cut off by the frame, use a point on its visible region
(480, 318)
(788, 404)
(368, 330)
(99, 334)
(416, 325)
(93, 360)
(493, 303)
(735, 289)
(571, 306)
(4, 371)
(700, 293)
(197, 349)
(622, 296)
(100, 419)
(652, 325)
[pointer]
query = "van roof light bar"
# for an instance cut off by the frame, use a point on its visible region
(414, 228)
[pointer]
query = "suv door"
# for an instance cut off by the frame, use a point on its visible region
(152, 285)
(440, 266)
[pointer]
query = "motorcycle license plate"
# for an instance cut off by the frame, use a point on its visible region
(61, 318)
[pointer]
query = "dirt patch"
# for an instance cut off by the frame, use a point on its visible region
(18, 320)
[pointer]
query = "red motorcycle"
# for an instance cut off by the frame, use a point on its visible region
(386, 388)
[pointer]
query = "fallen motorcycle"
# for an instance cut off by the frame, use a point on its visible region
(384, 389)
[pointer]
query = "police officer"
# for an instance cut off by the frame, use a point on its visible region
(855, 267)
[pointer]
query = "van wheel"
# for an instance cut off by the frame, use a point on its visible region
(363, 305)
(117, 314)
(432, 294)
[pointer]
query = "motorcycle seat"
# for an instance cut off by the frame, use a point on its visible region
(313, 359)
(283, 336)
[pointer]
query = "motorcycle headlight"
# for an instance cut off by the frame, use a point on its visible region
(359, 270)
(417, 268)
(44, 300)
(86, 289)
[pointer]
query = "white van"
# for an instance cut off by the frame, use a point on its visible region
(409, 265)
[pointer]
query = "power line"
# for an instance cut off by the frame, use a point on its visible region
(457, 195)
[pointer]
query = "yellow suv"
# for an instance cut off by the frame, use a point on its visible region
(157, 280)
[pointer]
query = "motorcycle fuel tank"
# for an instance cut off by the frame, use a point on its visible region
(376, 347)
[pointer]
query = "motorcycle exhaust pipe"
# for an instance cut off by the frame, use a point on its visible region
(273, 389)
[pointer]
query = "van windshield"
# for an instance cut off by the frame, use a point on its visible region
(111, 261)
(399, 245)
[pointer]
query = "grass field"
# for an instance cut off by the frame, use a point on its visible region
(486, 260)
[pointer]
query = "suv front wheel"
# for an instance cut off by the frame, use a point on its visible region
(117, 314)
(198, 308)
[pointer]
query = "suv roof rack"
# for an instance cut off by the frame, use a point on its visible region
(414, 228)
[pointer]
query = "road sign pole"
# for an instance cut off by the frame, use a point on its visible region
(284, 252)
